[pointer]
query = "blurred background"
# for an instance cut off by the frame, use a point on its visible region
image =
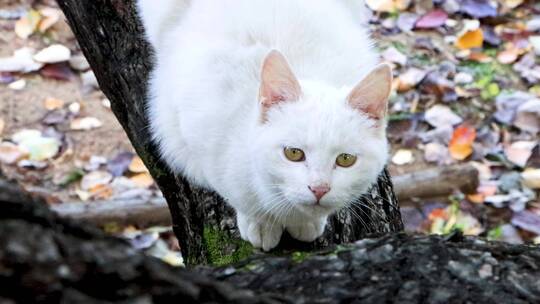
(464, 121)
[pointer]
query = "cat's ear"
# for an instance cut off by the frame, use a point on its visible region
(278, 83)
(370, 96)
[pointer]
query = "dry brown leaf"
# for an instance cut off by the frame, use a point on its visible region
(101, 192)
(137, 165)
(27, 24)
(50, 17)
(143, 180)
(52, 103)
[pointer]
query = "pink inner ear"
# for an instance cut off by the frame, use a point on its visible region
(278, 83)
(370, 96)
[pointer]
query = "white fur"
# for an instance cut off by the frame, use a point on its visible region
(205, 113)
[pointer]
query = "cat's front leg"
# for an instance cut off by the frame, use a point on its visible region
(262, 231)
(309, 230)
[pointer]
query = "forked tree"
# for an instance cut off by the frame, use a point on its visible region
(111, 37)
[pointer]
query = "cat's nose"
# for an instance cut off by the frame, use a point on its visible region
(319, 190)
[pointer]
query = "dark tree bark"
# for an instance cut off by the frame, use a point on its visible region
(109, 34)
(46, 259)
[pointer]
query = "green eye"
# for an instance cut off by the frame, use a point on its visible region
(345, 160)
(294, 154)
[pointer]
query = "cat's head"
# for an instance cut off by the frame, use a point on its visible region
(317, 147)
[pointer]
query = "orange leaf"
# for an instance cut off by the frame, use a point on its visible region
(460, 145)
(438, 213)
(476, 198)
(470, 40)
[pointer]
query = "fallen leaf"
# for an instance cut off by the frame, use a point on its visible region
(388, 6)
(58, 71)
(94, 179)
(406, 22)
(528, 116)
(55, 117)
(463, 78)
(17, 85)
(101, 192)
(437, 153)
(38, 147)
(79, 63)
(74, 108)
(82, 195)
(512, 3)
(85, 123)
(143, 180)
(533, 25)
(32, 164)
(391, 54)
(50, 17)
(10, 153)
(508, 56)
(21, 61)
(519, 152)
(89, 81)
(95, 162)
(6, 77)
(527, 220)
(478, 8)
(531, 178)
(106, 103)
(403, 157)
(470, 40)
(53, 54)
(479, 57)
(535, 42)
(460, 145)
(441, 116)
(410, 78)
(137, 165)
(27, 24)
(507, 105)
(118, 165)
(433, 19)
(51, 103)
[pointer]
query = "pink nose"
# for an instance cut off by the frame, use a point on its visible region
(319, 191)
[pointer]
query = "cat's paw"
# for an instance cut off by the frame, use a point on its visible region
(308, 231)
(261, 233)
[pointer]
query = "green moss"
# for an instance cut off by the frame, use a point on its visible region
(300, 256)
(215, 241)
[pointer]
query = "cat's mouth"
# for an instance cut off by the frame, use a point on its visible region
(315, 208)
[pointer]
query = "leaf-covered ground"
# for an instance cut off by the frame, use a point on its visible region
(467, 90)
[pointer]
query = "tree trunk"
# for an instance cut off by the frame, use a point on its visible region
(46, 259)
(109, 34)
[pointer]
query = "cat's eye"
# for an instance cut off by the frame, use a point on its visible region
(345, 160)
(294, 154)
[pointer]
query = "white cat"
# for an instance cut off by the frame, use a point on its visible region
(278, 105)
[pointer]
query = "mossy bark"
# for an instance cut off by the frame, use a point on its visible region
(110, 36)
